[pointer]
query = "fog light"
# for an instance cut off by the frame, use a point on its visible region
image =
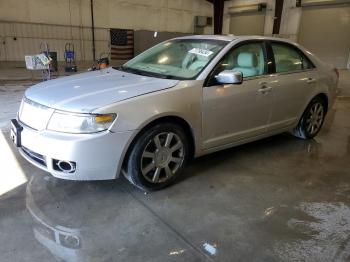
(69, 241)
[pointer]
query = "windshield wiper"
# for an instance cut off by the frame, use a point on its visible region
(135, 71)
(168, 76)
(143, 73)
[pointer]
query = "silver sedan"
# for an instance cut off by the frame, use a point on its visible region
(182, 98)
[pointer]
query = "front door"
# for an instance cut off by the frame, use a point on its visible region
(237, 112)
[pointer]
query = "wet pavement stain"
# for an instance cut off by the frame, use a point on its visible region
(327, 230)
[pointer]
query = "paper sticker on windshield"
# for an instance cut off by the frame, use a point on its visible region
(199, 51)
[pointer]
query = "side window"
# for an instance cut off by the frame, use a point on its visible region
(306, 63)
(286, 58)
(247, 58)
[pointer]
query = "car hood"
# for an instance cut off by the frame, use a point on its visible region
(88, 91)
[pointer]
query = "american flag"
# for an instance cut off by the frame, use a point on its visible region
(122, 44)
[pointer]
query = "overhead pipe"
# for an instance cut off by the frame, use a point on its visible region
(93, 30)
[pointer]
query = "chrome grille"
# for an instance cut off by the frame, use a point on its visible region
(34, 115)
(40, 159)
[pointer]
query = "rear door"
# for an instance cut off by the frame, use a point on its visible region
(292, 84)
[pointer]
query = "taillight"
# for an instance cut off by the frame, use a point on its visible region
(336, 72)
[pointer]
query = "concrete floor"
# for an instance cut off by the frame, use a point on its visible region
(278, 199)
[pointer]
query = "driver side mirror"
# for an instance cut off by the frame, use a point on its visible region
(229, 77)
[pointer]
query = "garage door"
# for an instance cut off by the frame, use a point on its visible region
(325, 31)
(247, 24)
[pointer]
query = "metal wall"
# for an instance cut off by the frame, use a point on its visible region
(31, 22)
(19, 39)
(325, 30)
(247, 23)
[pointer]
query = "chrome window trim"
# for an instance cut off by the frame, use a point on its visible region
(275, 74)
(248, 78)
(293, 72)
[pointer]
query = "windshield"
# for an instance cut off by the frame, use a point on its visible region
(177, 59)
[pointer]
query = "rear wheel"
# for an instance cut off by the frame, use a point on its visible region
(312, 120)
(157, 157)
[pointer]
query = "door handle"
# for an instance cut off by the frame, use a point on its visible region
(310, 80)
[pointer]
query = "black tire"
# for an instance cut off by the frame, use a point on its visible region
(303, 130)
(139, 161)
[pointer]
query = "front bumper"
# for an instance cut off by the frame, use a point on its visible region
(97, 156)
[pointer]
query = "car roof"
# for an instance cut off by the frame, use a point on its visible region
(210, 37)
(231, 38)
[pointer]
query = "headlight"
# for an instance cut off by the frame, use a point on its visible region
(80, 123)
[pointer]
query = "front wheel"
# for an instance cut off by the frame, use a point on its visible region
(312, 120)
(157, 157)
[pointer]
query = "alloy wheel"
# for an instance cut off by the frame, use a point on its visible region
(162, 157)
(314, 118)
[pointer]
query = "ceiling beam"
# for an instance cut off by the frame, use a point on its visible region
(218, 16)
